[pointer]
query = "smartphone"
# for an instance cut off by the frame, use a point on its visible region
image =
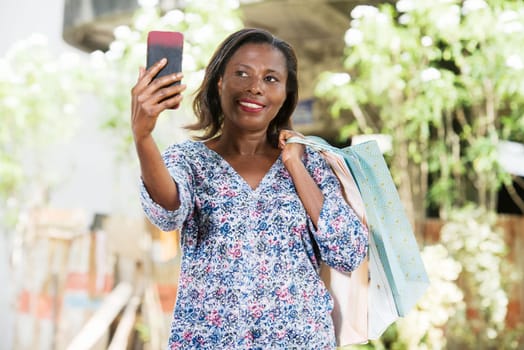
(162, 44)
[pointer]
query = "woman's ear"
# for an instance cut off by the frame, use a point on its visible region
(219, 86)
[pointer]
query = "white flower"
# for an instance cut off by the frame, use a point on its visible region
(491, 333)
(449, 19)
(426, 41)
(395, 44)
(49, 68)
(473, 5)
(122, 32)
(430, 74)
(404, 19)
(97, 60)
(117, 48)
(173, 17)
(515, 62)
(233, 4)
(405, 5)
(193, 18)
(361, 11)
(230, 24)
(148, 3)
(143, 20)
(353, 37)
(508, 16)
(68, 108)
(382, 18)
(436, 307)
(510, 22)
(11, 101)
(203, 33)
(340, 79)
(188, 63)
(513, 27)
(69, 60)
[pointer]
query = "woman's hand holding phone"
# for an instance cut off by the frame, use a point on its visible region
(150, 96)
(159, 87)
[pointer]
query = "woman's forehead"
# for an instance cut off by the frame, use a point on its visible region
(256, 53)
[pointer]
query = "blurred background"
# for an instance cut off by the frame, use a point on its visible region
(439, 84)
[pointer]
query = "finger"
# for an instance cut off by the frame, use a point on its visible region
(150, 73)
(156, 67)
(174, 79)
(282, 139)
(173, 102)
(286, 134)
(162, 94)
(162, 100)
(145, 77)
(162, 88)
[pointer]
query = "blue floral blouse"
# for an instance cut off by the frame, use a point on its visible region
(249, 274)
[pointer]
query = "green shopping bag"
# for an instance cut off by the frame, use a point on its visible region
(392, 234)
(389, 225)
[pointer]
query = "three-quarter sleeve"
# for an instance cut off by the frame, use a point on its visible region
(341, 237)
(180, 170)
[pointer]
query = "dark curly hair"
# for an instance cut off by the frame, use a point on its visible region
(206, 104)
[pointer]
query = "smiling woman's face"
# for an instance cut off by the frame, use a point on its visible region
(253, 87)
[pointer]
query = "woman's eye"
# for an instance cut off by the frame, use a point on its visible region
(271, 79)
(241, 73)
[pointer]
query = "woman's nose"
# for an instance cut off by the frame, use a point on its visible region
(255, 86)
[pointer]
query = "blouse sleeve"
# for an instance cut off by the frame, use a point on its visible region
(341, 237)
(168, 220)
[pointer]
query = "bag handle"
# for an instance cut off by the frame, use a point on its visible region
(315, 142)
(320, 144)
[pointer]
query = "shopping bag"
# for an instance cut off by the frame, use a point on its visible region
(397, 275)
(389, 225)
(349, 291)
(382, 311)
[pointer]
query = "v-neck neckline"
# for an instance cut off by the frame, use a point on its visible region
(237, 174)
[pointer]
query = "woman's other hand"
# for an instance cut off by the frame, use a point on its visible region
(151, 96)
(290, 151)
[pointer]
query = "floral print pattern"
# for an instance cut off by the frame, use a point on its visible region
(250, 257)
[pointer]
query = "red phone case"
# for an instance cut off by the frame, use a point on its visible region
(161, 44)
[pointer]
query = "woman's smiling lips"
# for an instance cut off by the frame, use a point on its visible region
(250, 106)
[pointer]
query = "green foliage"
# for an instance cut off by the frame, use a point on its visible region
(204, 24)
(38, 95)
(446, 80)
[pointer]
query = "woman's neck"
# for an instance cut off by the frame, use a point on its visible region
(246, 144)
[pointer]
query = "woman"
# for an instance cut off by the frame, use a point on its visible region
(256, 215)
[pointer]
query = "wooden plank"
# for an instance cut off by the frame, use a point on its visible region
(100, 322)
(154, 318)
(126, 325)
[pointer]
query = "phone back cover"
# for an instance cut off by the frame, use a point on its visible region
(165, 44)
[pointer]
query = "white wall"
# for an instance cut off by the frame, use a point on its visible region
(20, 18)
